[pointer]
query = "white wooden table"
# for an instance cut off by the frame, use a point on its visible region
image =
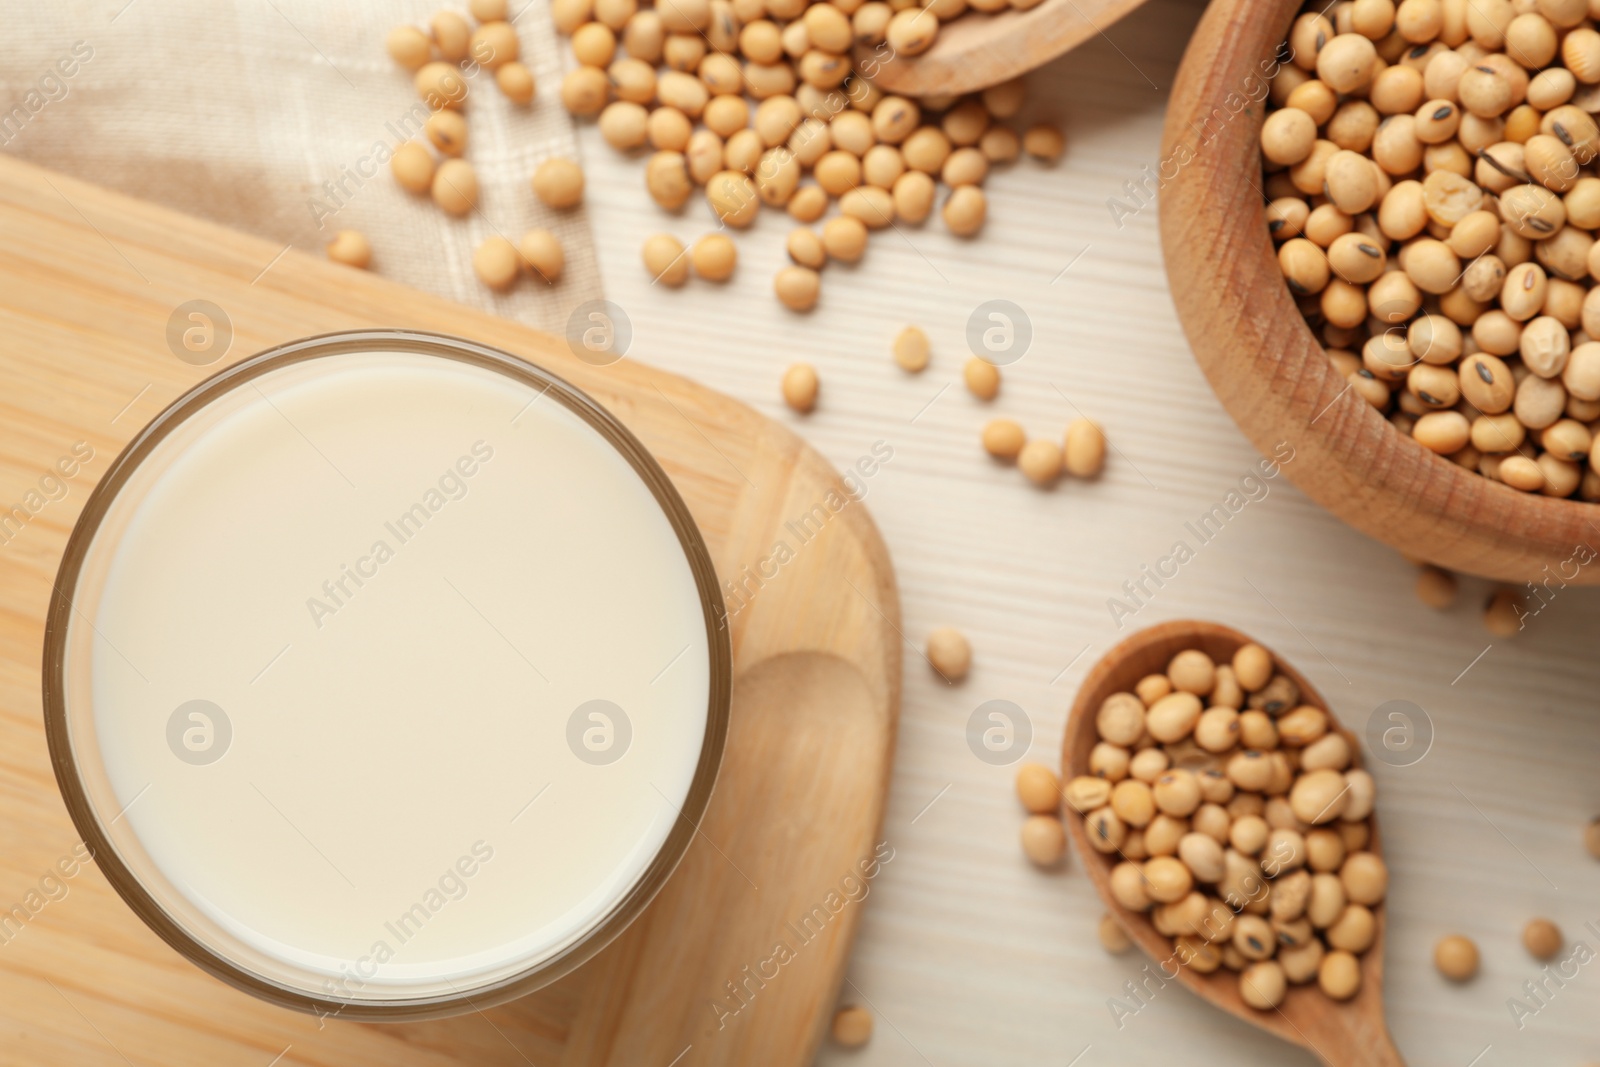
(969, 956)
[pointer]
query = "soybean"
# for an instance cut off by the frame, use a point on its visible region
(413, 167)
(982, 378)
(714, 257)
(798, 288)
(1004, 439)
(496, 263)
(911, 350)
(1085, 452)
(1113, 938)
(542, 252)
(845, 238)
(559, 183)
(852, 1026)
(800, 386)
(1542, 938)
(1044, 840)
(965, 210)
(1456, 957)
(949, 653)
(351, 248)
(1040, 461)
(806, 249)
(1038, 789)
(408, 46)
(666, 260)
(455, 187)
(516, 82)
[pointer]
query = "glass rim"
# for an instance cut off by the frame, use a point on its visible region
(88, 823)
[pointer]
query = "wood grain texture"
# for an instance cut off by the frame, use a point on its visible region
(88, 280)
(1350, 1034)
(1267, 368)
(977, 50)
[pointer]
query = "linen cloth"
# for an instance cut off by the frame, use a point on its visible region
(274, 116)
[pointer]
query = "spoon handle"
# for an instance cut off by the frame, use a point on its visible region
(1360, 1047)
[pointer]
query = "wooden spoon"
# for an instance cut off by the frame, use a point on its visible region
(975, 50)
(1339, 1034)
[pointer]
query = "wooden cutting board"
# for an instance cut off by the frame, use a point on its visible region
(88, 280)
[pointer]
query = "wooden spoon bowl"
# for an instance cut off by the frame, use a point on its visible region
(1339, 1034)
(1268, 369)
(976, 50)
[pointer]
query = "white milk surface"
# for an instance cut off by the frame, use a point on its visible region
(371, 825)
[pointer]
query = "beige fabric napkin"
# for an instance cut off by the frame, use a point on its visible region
(271, 115)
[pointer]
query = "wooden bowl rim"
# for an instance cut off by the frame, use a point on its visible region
(1305, 1010)
(1271, 372)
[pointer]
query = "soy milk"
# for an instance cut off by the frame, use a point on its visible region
(387, 675)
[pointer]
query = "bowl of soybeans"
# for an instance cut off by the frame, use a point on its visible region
(1379, 223)
(1223, 813)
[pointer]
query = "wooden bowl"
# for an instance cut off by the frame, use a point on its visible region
(1339, 1034)
(1268, 369)
(977, 50)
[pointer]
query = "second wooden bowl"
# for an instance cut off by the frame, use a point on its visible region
(1268, 369)
(980, 49)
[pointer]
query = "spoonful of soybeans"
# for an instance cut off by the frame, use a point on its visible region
(1225, 819)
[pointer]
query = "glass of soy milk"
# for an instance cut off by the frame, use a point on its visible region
(386, 672)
